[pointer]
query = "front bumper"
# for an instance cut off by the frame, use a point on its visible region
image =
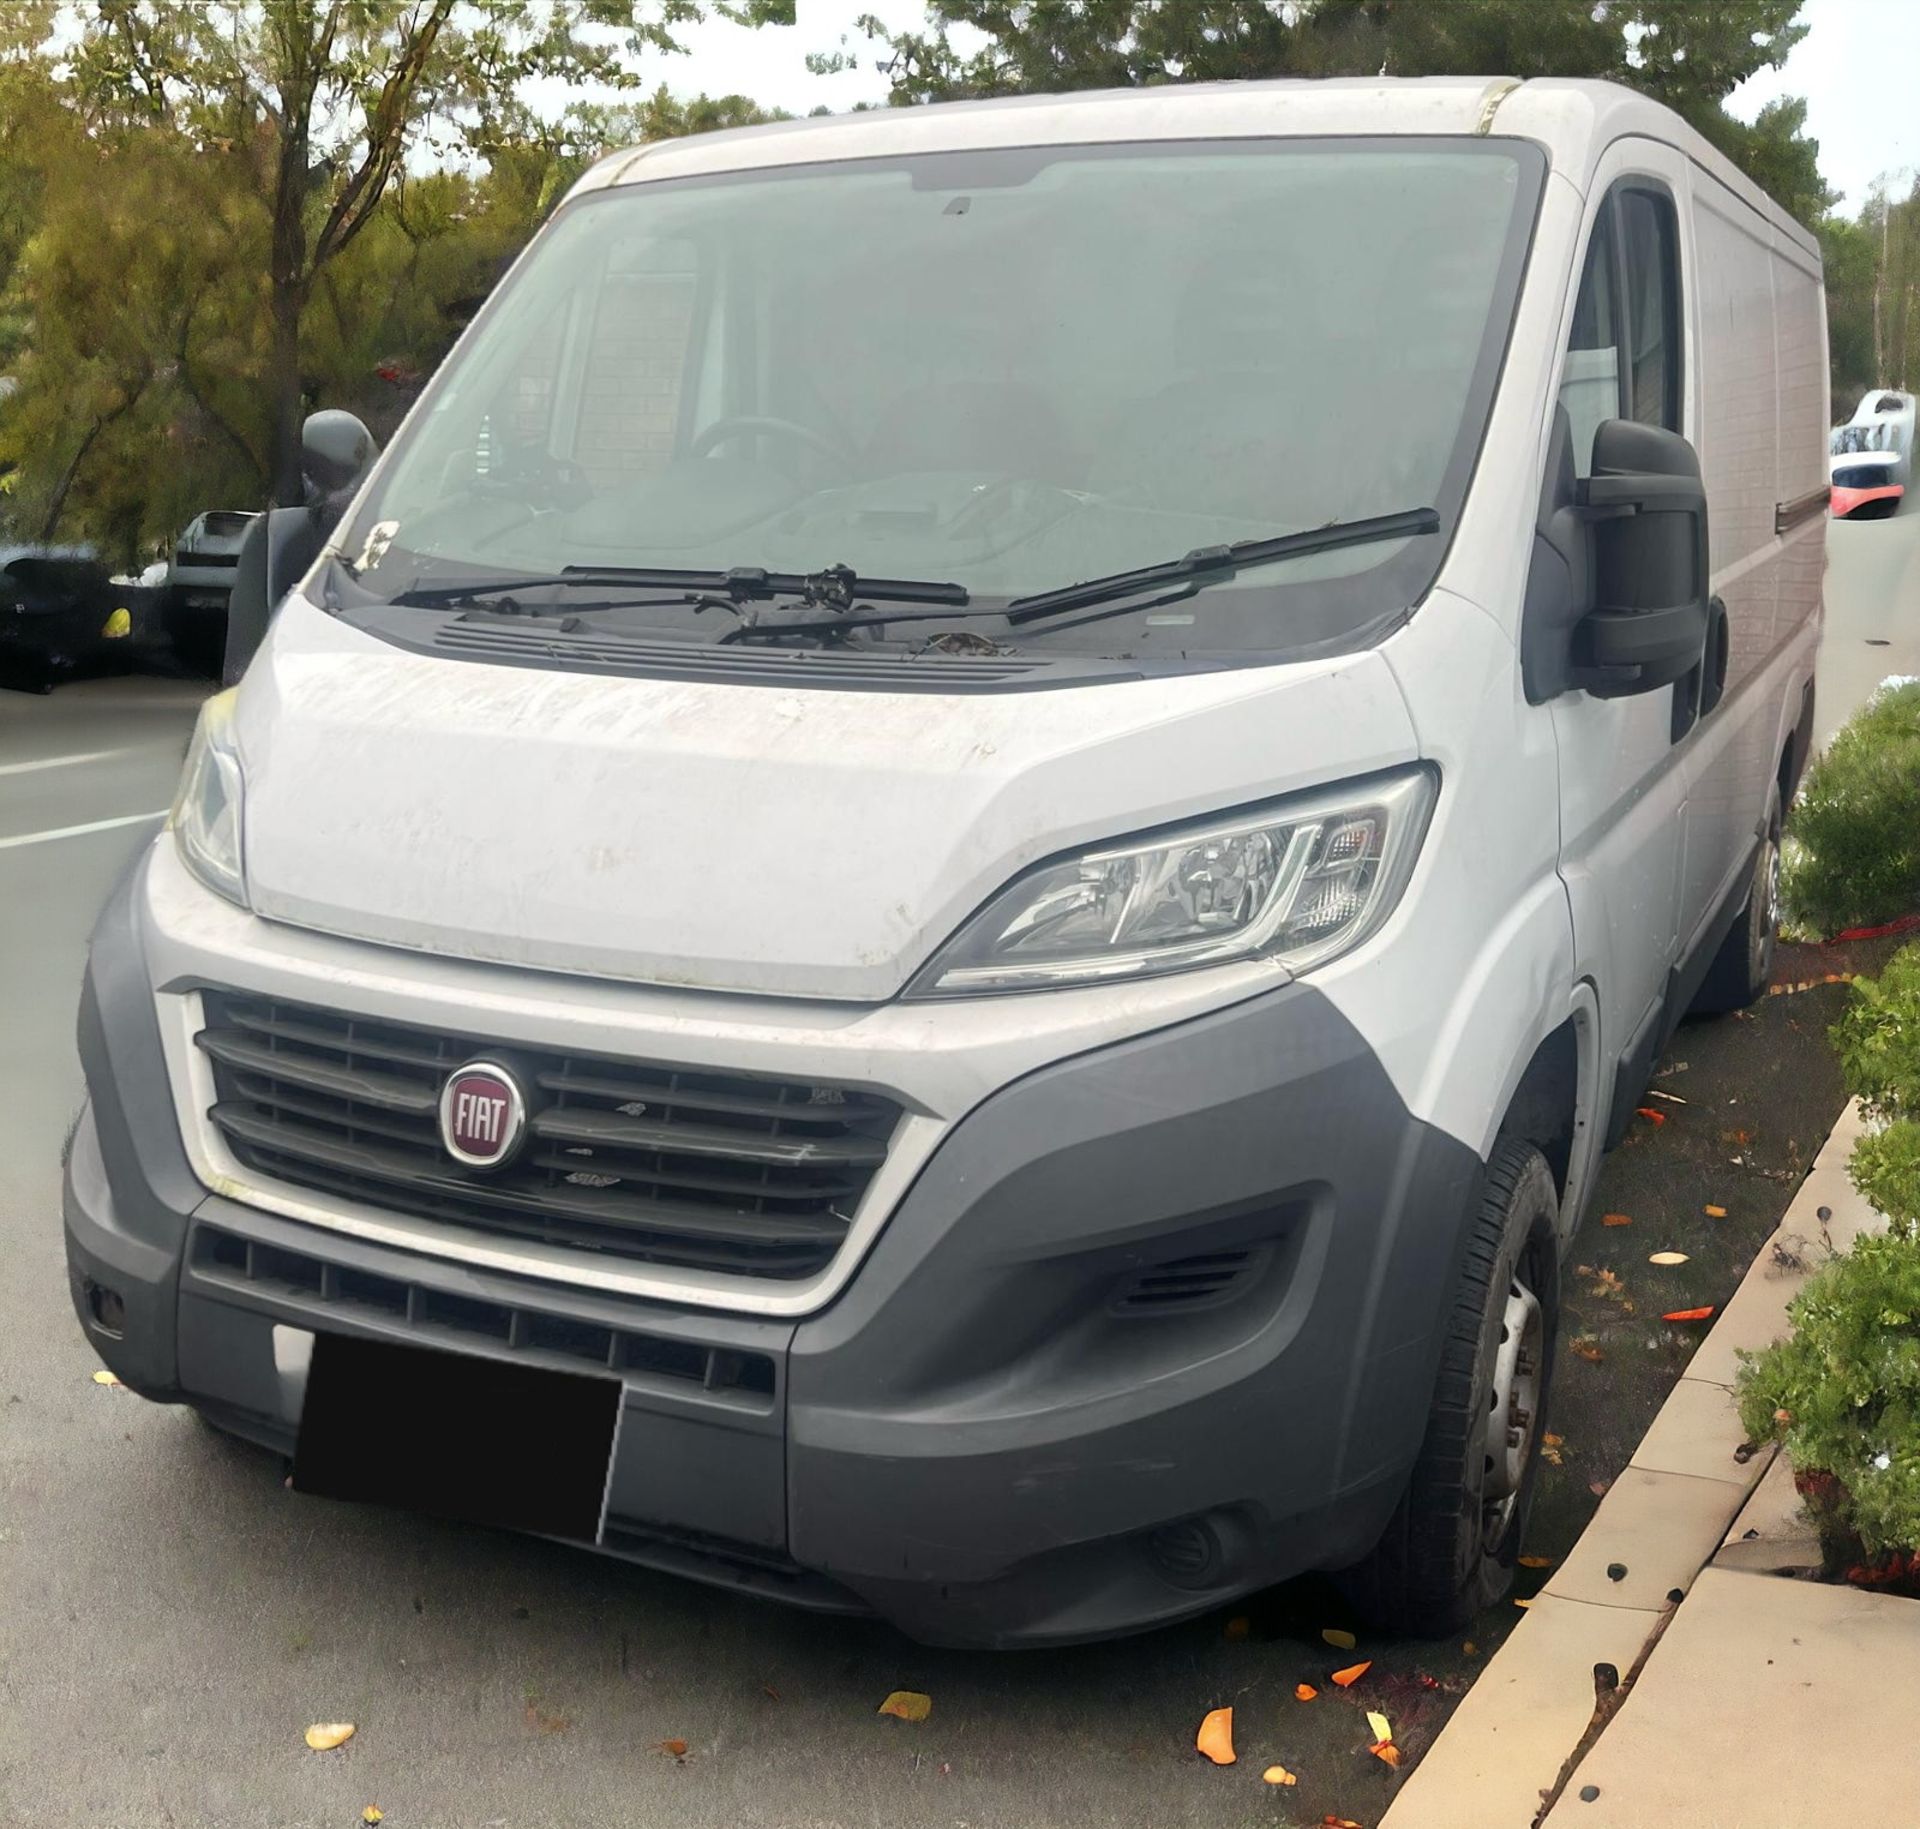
(1153, 1326)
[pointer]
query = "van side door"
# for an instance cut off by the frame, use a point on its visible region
(1623, 794)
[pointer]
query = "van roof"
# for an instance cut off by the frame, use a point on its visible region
(1574, 121)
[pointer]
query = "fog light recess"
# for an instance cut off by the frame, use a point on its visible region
(106, 1310)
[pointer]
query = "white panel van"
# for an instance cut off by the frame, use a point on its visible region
(950, 877)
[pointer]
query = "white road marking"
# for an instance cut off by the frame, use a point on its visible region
(90, 755)
(95, 825)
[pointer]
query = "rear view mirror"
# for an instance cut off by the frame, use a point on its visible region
(1647, 510)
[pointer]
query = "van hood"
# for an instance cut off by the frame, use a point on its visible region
(750, 838)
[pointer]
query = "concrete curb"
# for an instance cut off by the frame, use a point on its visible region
(1663, 1521)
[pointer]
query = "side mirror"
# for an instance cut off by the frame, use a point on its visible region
(336, 452)
(1646, 508)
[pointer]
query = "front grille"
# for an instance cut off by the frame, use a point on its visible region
(666, 1165)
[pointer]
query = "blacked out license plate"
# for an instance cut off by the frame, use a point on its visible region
(518, 1446)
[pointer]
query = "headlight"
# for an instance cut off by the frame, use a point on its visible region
(206, 811)
(1298, 881)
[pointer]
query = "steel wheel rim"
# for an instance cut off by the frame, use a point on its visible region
(1767, 908)
(1513, 1409)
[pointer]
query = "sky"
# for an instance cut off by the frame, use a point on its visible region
(1839, 66)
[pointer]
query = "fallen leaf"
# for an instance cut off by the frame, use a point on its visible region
(907, 1705)
(1215, 1738)
(1385, 1750)
(1551, 1456)
(1672, 1098)
(1352, 1674)
(1598, 1488)
(324, 1736)
(1469, 1649)
(1335, 1636)
(1427, 1682)
(1338, 1822)
(1585, 1346)
(372, 1814)
(1382, 1727)
(1304, 1692)
(1238, 1629)
(1536, 1562)
(1648, 1112)
(1605, 1283)
(103, 1376)
(1616, 1219)
(1554, 1441)
(1714, 1212)
(1689, 1314)
(1523, 1603)
(1666, 1259)
(674, 1749)
(1279, 1775)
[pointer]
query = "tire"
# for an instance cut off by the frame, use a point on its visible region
(1743, 966)
(1450, 1549)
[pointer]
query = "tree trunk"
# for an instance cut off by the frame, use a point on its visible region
(59, 502)
(289, 489)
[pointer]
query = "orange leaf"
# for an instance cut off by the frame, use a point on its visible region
(1523, 1603)
(1215, 1738)
(1338, 1822)
(1715, 1212)
(1304, 1692)
(1587, 1348)
(674, 1749)
(1352, 1674)
(1237, 1629)
(907, 1705)
(1536, 1562)
(1279, 1775)
(1648, 1112)
(1554, 1441)
(1689, 1314)
(1616, 1219)
(1386, 1750)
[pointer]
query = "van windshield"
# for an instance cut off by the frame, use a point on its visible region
(1006, 370)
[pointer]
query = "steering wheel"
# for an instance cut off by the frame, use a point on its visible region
(742, 425)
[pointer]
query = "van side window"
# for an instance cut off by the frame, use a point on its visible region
(1648, 244)
(1590, 383)
(1623, 356)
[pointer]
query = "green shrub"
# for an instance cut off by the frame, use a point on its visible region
(1847, 1382)
(1878, 1038)
(1856, 825)
(1885, 1167)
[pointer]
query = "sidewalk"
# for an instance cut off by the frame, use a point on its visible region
(1678, 1669)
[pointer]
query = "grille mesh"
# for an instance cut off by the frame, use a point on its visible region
(713, 1171)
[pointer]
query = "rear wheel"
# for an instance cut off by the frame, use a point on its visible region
(1743, 966)
(1450, 1549)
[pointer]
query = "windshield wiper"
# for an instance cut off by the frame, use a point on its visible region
(1203, 566)
(1207, 564)
(740, 585)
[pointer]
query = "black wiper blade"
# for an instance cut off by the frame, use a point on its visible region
(1205, 564)
(740, 584)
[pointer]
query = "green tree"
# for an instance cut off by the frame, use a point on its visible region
(1689, 54)
(330, 99)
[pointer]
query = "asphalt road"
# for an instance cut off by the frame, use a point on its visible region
(172, 1618)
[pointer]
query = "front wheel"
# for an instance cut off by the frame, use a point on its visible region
(1450, 1548)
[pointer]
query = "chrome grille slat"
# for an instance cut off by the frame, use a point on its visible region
(661, 1163)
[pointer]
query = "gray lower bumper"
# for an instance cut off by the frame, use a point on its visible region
(1154, 1327)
